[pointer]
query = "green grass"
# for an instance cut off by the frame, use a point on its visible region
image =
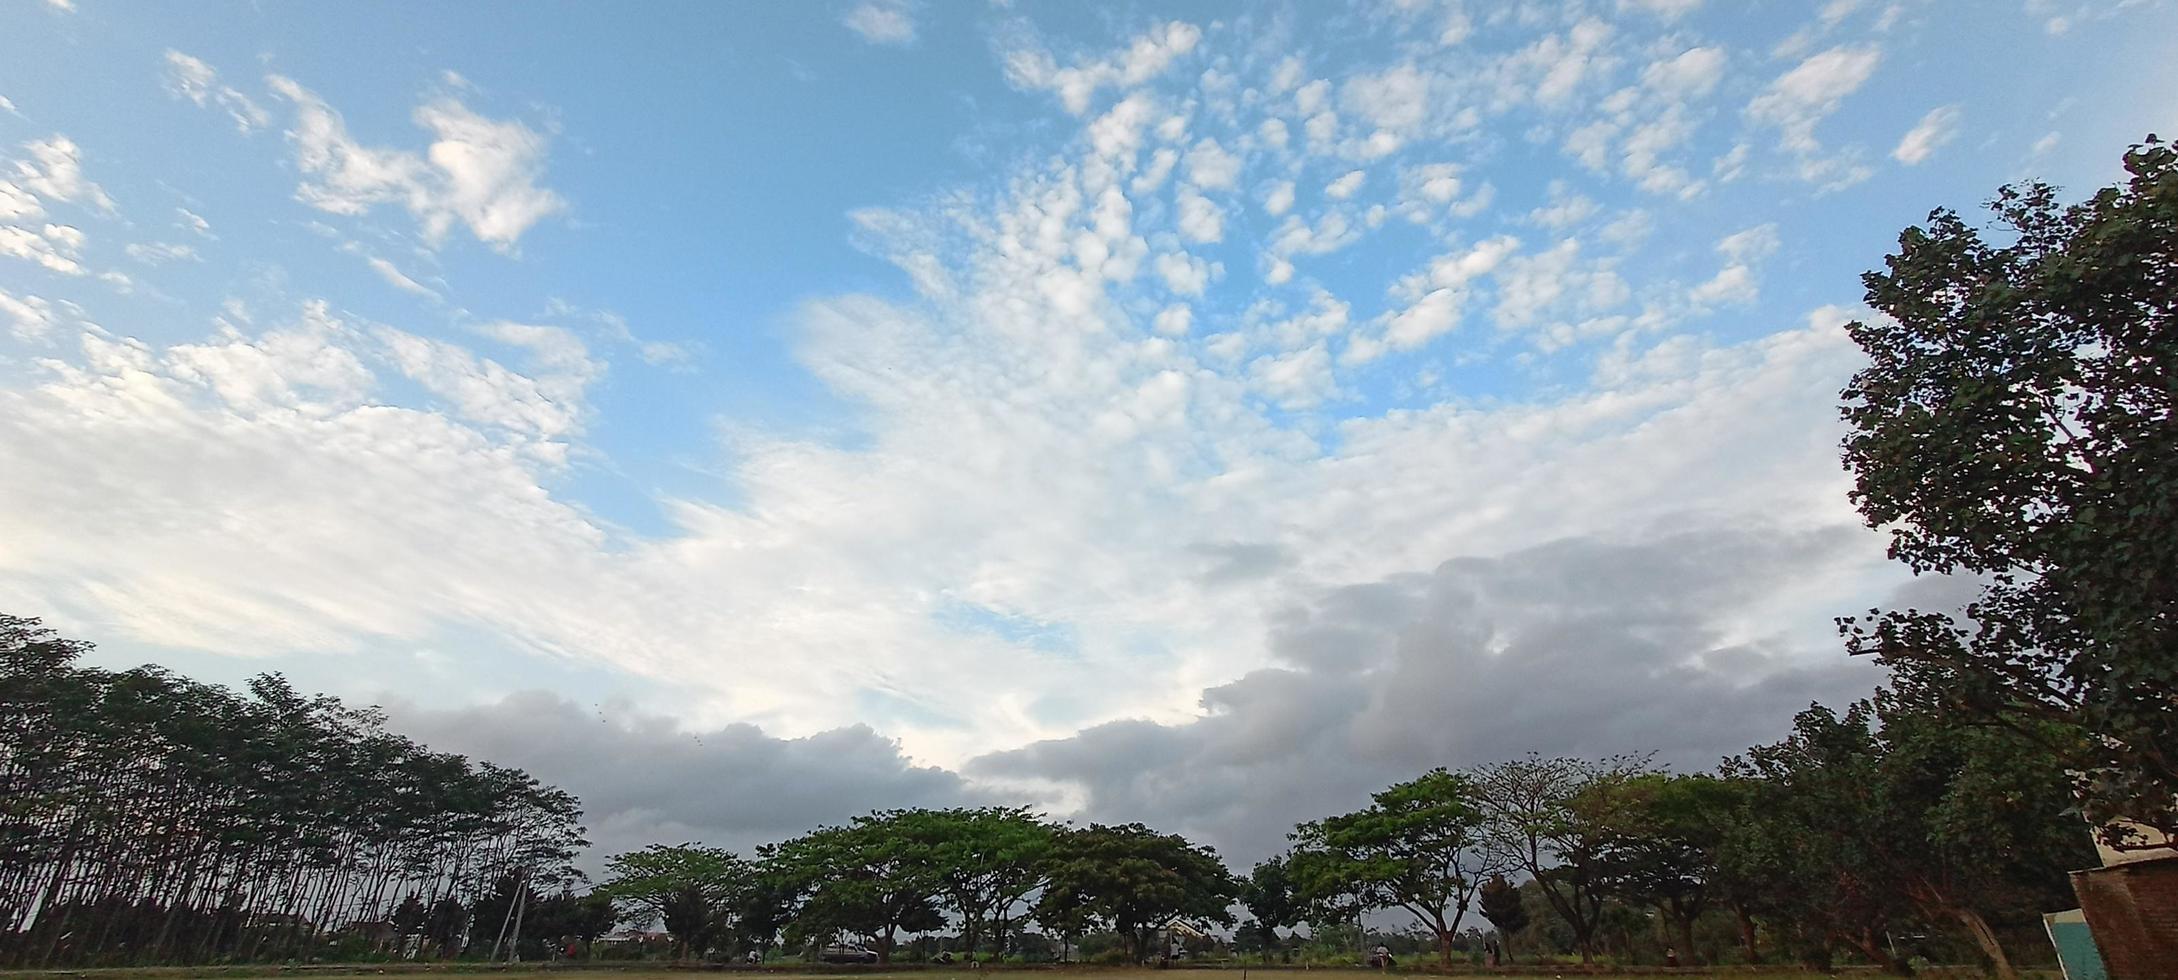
(643, 971)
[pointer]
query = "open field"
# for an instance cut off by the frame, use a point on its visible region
(1516, 972)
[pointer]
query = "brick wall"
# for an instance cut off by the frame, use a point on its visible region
(2133, 910)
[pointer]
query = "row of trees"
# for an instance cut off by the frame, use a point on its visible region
(146, 818)
(892, 873)
(1898, 815)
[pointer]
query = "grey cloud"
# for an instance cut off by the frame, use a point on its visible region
(1581, 646)
(642, 779)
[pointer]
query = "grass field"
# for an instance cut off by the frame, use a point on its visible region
(1046, 973)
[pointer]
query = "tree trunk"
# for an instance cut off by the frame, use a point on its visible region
(1747, 934)
(1685, 924)
(1986, 938)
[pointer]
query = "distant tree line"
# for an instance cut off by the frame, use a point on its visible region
(147, 818)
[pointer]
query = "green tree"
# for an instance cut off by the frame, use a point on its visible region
(1418, 847)
(1135, 881)
(690, 888)
(1502, 905)
(986, 862)
(1547, 818)
(1267, 893)
(870, 877)
(1662, 849)
(2015, 423)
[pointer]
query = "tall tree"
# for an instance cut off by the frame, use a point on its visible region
(870, 877)
(1135, 881)
(145, 818)
(1547, 818)
(1662, 850)
(693, 890)
(1267, 893)
(1419, 847)
(986, 861)
(2015, 423)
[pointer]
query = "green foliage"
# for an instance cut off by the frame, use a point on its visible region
(147, 818)
(1503, 906)
(1418, 846)
(1902, 810)
(2015, 422)
(986, 861)
(693, 890)
(871, 877)
(1553, 819)
(1268, 895)
(1134, 880)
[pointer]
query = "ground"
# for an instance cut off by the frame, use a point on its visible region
(605, 973)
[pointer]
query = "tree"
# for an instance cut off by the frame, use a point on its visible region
(1267, 894)
(2015, 423)
(691, 888)
(1546, 818)
(1820, 840)
(1418, 847)
(1135, 880)
(1662, 849)
(1989, 838)
(870, 877)
(146, 818)
(986, 861)
(1501, 904)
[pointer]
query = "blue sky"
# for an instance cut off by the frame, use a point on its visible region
(1001, 377)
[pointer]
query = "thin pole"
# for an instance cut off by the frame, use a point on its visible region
(521, 904)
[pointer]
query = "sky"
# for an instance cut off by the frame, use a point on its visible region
(746, 415)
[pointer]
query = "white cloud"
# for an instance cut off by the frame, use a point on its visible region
(1346, 186)
(477, 172)
(160, 253)
(54, 172)
(1212, 167)
(29, 318)
(1184, 274)
(1031, 67)
(1735, 283)
(190, 78)
(397, 279)
(1174, 320)
(1691, 73)
(1811, 91)
(883, 22)
(56, 247)
(194, 222)
(1278, 197)
(1295, 380)
(1200, 219)
(1939, 127)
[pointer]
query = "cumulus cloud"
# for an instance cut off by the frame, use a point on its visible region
(1584, 646)
(1063, 457)
(645, 778)
(477, 172)
(1939, 127)
(1801, 98)
(1029, 66)
(883, 22)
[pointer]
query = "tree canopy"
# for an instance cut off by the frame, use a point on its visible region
(2014, 423)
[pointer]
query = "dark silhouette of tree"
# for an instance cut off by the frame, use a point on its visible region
(146, 818)
(1502, 905)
